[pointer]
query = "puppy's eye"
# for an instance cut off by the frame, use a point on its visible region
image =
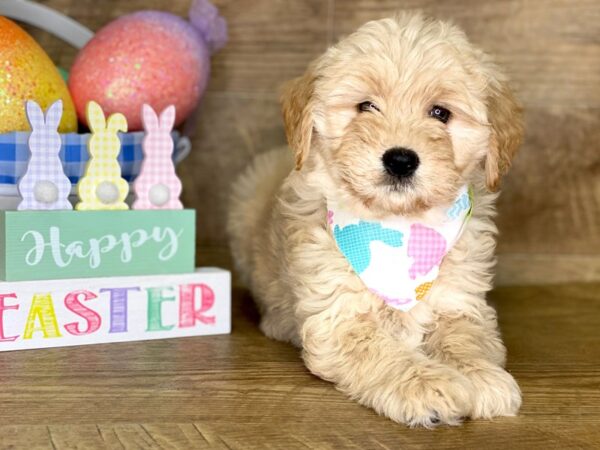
(367, 106)
(439, 113)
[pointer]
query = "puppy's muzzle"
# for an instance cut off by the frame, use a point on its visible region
(400, 162)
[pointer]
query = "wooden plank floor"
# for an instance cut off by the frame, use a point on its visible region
(244, 391)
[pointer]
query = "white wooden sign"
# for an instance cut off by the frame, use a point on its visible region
(57, 313)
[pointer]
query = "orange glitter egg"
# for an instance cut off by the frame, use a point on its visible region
(27, 73)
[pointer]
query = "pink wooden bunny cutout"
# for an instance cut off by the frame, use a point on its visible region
(157, 186)
(44, 185)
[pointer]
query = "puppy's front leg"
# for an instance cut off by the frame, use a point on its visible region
(383, 368)
(470, 341)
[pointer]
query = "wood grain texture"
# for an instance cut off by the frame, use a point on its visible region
(523, 269)
(513, 269)
(550, 48)
(245, 391)
(221, 152)
(551, 198)
(270, 41)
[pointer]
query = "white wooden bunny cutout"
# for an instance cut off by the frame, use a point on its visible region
(157, 186)
(44, 185)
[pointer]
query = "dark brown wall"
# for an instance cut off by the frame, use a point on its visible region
(551, 48)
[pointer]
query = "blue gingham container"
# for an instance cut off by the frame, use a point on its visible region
(15, 154)
(14, 150)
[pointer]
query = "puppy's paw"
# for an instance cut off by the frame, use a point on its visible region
(434, 396)
(280, 327)
(496, 391)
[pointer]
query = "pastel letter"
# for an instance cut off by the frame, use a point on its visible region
(93, 319)
(118, 308)
(36, 253)
(188, 314)
(156, 296)
(2, 308)
(42, 309)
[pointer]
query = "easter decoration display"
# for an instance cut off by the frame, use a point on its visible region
(102, 186)
(78, 261)
(44, 185)
(150, 57)
(45, 239)
(27, 73)
(157, 186)
(101, 272)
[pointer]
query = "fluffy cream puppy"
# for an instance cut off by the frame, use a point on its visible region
(406, 82)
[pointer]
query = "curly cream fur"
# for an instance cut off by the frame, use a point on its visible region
(441, 361)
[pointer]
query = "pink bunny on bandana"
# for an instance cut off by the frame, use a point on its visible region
(427, 247)
(44, 185)
(157, 186)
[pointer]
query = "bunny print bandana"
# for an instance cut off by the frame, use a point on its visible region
(399, 258)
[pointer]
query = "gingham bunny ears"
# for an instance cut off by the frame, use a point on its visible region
(36, 118)
(152, 122)
(98, 123)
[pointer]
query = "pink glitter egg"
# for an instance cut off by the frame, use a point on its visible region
(148, 57)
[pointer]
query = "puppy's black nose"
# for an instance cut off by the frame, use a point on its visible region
(400, 162)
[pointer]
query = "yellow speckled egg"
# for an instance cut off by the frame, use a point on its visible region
(27, 73)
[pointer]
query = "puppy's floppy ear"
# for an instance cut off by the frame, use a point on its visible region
(298, 101)
(506, 118)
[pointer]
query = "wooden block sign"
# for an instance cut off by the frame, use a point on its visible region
(47, 245)
(61, 313)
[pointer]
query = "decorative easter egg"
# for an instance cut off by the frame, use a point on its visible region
(27, 73)
(148, 57)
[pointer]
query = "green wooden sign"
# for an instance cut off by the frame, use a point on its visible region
(43, 245)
